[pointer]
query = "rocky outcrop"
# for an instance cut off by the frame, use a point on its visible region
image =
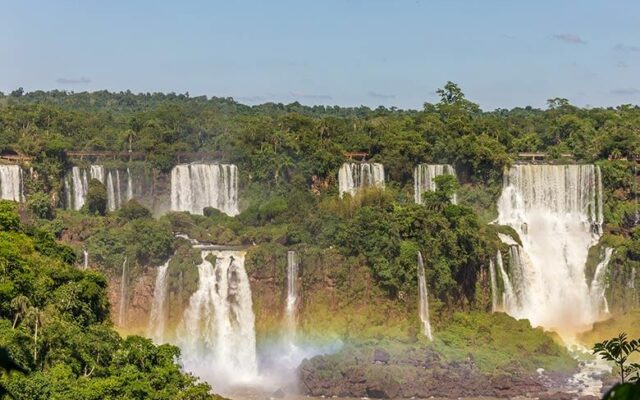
(420, 373)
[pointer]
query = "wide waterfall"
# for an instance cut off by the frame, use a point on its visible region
(11, 183)
(158, 315)
(353, 176)
(77, 185)
(217, 333)
(557, 212)
(292, 296)
(424, 179)
(424, 299)
(197, 186)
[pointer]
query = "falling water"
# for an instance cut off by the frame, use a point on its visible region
(508, 295)
(353, 176)
(424, 179)
(11, 182)
(557, 212)
(292, 295)
(494, 286)
(129, 185)
(158, 315)
(217, 333)
(197, 186)
(122, 314)
(424, 299)
(77, 185)
(598, 285)
(85, 264)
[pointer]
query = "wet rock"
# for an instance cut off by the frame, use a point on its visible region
(278, 394)
(381, 357)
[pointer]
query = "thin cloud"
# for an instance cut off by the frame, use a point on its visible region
(626, 91)
(627, 48)
(311, 96)
(67, 81)
(383, 96)
(569, 38)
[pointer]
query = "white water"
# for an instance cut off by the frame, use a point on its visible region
(11, 183)
(424, 299)
(292, 296)
(217, 333)
(557, 212)
(508, 295)
(158, 315)
(122, 314)
(353, 176)
(196, 186)
(494, 286)
(77, 185)
(85, 264)
(424, 179)
(599, 302)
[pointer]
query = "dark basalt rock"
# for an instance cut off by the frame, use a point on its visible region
(381, 357)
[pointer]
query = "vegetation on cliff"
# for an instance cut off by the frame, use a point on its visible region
(54, 322)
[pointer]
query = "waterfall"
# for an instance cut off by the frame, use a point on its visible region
(353, 176)
(77, 185)
(85, 264)
(217, 333)
(196, 186)
(598, 285)
(424, 300)
(292, 295)
(11, 183)
(122, 314)
(129, 185)
(557, 212)
(158, 315)
(508, 295)
(424, 179)
(494, 286)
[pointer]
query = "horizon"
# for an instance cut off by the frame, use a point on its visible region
(345, 53)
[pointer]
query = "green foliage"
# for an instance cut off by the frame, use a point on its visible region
(54, 324)
(40, 205)
(96, 198)
(623, 391)
(618, 350)
(133, 210)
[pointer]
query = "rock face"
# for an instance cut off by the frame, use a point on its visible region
(139, 299)
(421, 373)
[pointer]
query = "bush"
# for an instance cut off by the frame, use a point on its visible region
(96, 198)
(133, 210)
(40, 205)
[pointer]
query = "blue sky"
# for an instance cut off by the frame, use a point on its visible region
(503, 53)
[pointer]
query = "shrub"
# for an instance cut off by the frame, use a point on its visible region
(96, 198)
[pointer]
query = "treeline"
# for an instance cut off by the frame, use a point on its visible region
(277, 141)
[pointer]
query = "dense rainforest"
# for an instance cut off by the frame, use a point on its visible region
(288, 156)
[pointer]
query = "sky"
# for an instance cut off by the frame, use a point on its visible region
(502, 53)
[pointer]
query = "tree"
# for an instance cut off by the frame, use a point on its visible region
(20, 304)
(96, 198)
(618, 350)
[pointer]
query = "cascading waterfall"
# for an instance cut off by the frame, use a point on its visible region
(424, 299)
(77, 185)
(85, 264)
(353, 176)
(508, 295)
(197, 186)
(424, 179)
(494, 286)
(598, 285)
(557, 212)
(217, 333)
(292, 296)
(122, 314)
(158, 315)
(11, 183)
